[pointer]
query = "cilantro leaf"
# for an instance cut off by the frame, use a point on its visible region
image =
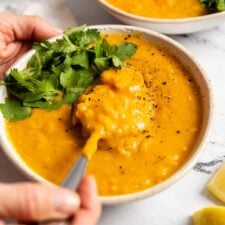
(117, 62)
(80, 37)
(213, 5)
(13, 110)
(113, 55)
(81, 59)
(72, 94)
(68, 78)
(32, 97)
(102, 63)
(49, 106)
(125, 50)
(221, 5)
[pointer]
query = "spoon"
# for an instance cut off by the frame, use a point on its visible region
(76, 174)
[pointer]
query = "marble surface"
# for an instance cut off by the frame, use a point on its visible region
(56, 12)
(175, 205)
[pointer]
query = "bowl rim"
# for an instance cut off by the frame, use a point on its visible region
(118, 199)
(143, 19)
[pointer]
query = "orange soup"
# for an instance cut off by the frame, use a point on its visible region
(152, 109)
(165, 9)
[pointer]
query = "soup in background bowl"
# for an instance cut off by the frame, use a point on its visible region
(164, 17)
(179, 116)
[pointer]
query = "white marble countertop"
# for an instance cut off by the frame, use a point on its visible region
(175, 205)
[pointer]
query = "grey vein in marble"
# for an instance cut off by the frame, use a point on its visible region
(204, 167)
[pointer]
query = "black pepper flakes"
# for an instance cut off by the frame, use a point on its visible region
(138, 97)
(109, 148)
(178, 131)
(122, 170)
(68, 129)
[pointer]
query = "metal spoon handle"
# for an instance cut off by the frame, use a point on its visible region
(75, 176)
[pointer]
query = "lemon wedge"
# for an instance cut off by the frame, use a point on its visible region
(210, 216)
(217, 184)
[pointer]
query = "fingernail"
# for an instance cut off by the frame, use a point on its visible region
(65, 201)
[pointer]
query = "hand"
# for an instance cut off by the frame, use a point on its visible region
(17, 33)
(38, 202)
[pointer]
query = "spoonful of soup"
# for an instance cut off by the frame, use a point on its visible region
(116, 113)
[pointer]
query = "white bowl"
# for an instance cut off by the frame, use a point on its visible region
(188, 62)
(166, 26)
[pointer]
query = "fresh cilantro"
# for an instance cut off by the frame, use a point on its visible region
(72, 94)
(113, 55)
(81, 59)
(13, 110)
(78, 78)
(213, 5)
(80, 37)
(124, 50)
(49, 106)
(60, 71)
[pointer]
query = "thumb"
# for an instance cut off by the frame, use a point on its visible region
(31, 201)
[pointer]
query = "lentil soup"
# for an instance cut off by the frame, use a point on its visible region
(165, 9)
(49, 144)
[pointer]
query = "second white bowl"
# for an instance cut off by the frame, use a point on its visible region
(166, 26)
